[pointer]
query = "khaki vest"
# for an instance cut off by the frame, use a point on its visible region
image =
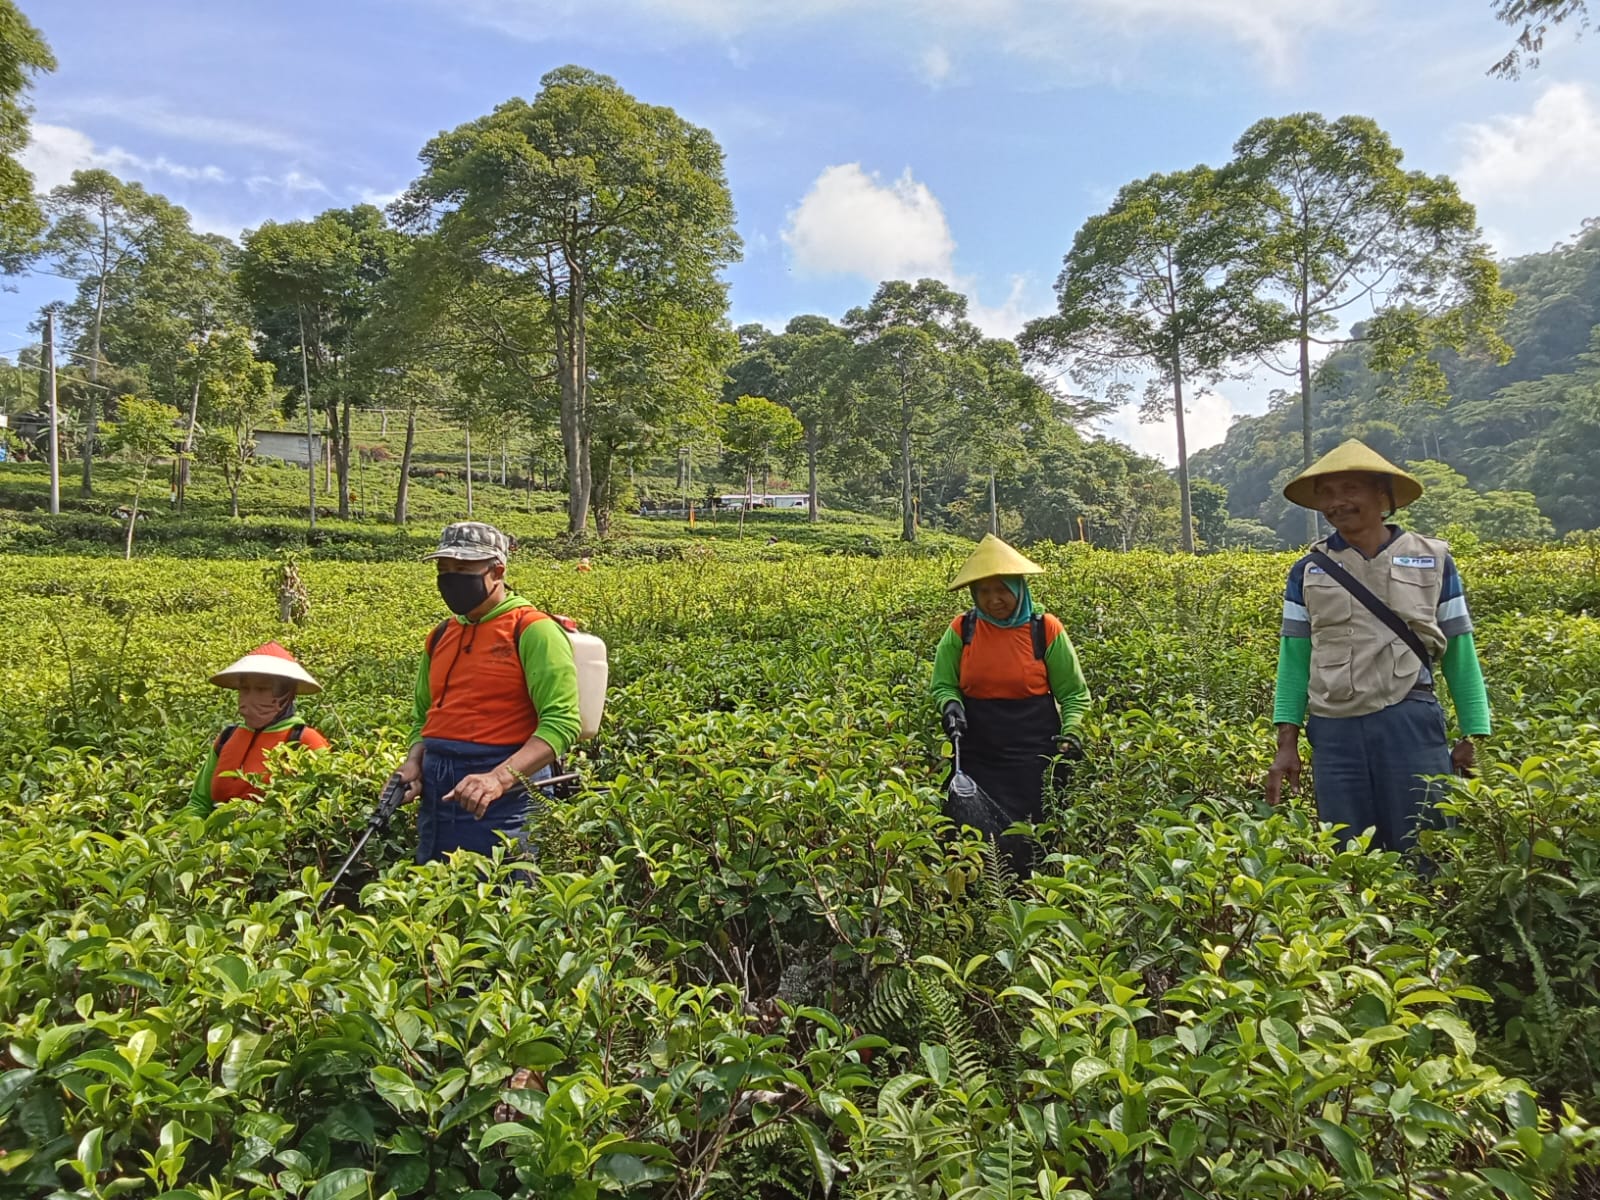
(1358, 666)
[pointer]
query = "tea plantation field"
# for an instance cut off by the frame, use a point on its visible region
(754, 962)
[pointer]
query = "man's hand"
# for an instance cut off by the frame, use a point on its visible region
(411, 772)
(955, 719)
(476, 793)
(1464, 757)
(1069, 747)
(1286, 765)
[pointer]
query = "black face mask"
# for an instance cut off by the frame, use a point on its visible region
(463, 593)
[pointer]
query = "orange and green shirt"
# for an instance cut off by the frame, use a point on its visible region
(235, 766)
(999, 664)
(498, 680)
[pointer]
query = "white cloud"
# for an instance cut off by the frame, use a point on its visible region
(1206, 420)
(851, 223)
(1022, 303)
(291, 181)
(936, 65)
(379, 199)
(56, 151)
(153, 115)
(1534, 175)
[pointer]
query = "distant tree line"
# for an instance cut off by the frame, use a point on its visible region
(554, 275)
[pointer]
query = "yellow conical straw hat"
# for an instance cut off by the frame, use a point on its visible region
(1353, 455)
(992, 557)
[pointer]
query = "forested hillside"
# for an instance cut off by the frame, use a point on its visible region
(1522, 433)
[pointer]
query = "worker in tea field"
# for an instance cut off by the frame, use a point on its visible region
(1371, 616)
(1008, 685)
(268, 681)
(496, 701)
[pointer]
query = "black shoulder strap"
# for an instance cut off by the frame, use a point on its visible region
(969, 622)
(438, 632)
(1037, 625)
(222, 738)
(1373, 605)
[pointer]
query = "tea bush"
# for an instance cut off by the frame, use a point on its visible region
(751, 959)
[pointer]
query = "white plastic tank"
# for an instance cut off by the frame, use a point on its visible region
(589, 652)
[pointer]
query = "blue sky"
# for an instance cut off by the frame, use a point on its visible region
(966, 139)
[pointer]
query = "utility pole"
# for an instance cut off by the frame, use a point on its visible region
(50, 389)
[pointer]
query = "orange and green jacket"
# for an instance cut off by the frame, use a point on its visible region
(235, 766)
(999, 664)
(498, 681)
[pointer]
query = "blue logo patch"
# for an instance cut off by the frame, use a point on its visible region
(1315, 571)
(1416, 560)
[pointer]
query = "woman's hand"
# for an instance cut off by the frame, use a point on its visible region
(955, 719)
(1464, 757)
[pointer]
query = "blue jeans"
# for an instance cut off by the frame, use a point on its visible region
(443, 827)
(1368, 770)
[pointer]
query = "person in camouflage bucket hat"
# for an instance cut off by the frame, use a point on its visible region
(472, 541)
(495, 705)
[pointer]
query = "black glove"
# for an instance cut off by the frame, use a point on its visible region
(1069, 747)
(955, 719)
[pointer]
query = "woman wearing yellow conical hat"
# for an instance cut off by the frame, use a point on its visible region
(1008, 685)
(1371, 616)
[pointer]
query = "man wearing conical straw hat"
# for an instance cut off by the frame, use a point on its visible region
(1371, 616)
(1010, 691)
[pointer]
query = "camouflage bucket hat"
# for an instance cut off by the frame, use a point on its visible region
(472, 541)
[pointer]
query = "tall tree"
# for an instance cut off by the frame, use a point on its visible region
(1351, 231)
(103, 232)
(160, 313)
(1159, 284)
(311, 284)
(24, 55)
(925, 376)
(1537, 18)
(806, 368)
(236, 395)
(755, 432)
(144, 434)
(580, 209)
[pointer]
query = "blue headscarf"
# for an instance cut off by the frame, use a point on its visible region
(1021, 615)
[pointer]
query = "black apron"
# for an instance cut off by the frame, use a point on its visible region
(1007, 749)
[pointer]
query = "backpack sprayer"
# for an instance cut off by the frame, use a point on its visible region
(389, 802)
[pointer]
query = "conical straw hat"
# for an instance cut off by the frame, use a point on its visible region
(992, 557)
(1353, 455)
(270, 659)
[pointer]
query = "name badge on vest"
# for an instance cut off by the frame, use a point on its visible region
(1315, 570)
(1427, 561)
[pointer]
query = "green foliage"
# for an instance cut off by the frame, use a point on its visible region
(751, 958)
(24, 55)
(928, 382)
(582, 233)
(1521, 871)
(1449, 504)
(1537, 18)
(1165, 282)
(1528, 425)
(756, 432)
